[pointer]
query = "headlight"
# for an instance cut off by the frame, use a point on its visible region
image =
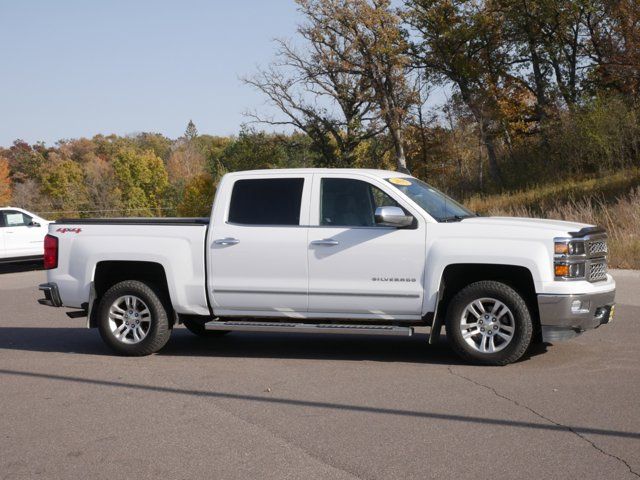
(569, 259)
(569, 270)
(569, 247)
(582, 258)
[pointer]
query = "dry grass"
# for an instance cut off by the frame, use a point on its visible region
(544, 198)
(621, 218)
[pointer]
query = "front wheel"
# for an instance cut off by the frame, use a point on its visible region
(132, 319)
(489, 323)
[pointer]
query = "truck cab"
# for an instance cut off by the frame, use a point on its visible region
(335, 251)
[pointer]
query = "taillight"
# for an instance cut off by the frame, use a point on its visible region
(50, 252)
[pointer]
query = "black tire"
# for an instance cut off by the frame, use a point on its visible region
(197, 328)
(158, 331)
(522, 323)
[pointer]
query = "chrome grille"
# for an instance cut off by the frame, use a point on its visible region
(597, 271)
(597, 248)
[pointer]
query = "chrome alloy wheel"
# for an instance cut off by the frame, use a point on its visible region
(487, 325)
(129, 319)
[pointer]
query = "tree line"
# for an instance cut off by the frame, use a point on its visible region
(516, 71)
(471, 95)
(137, 175)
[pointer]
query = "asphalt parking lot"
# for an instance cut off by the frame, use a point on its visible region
(269, 406)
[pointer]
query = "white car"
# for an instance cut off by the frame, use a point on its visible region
(21, 235)
(341, 251)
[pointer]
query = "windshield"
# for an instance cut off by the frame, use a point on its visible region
(435, 203)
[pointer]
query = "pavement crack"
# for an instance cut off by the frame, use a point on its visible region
(543, 417)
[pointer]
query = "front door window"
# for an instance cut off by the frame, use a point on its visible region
(347, 202)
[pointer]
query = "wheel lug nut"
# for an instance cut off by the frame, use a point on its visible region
(495, 327)
(480, 322)
(482, 329)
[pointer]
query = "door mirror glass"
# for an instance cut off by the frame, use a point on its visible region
(392, 217)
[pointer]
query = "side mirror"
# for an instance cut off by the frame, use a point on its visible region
(34, 224)
(392, 217)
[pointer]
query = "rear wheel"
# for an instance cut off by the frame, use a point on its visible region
(197, 328)
(132, 319)
(489, 323)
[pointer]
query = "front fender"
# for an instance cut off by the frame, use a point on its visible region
(442, 252)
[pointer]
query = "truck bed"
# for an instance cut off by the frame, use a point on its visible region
(135, 221)
(87, 245)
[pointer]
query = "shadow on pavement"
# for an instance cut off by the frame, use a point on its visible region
(18, 267)
(292, 402)
(246, 345)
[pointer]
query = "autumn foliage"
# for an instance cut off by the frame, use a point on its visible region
(142, 175)
(5, 182)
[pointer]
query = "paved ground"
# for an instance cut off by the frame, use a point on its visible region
(309, 407)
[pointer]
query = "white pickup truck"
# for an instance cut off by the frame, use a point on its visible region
(333, 251)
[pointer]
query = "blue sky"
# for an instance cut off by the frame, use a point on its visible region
(72, 68)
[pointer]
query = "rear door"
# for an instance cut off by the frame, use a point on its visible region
(357, 268)
(258, 246)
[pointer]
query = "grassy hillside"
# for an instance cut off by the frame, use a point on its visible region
(612, 201)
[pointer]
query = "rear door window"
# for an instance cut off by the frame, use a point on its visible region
(268, 201)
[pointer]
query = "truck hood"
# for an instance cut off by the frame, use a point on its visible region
(557, 227)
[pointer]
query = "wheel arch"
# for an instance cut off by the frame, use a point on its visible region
(110, 272)
(457, 276)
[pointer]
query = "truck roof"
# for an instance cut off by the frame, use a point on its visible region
(289, 171)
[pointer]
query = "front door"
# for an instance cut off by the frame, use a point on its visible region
(3, 252)
(357, 268)
(258, 247)
(21, 239)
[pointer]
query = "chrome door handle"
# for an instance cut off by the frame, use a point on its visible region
(328, 242)
(226, 241)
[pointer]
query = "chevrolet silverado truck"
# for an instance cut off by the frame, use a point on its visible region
(333, 251)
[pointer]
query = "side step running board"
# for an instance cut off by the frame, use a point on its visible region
(310, 328)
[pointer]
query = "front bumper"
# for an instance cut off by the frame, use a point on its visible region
(564, 316)
(51, 295)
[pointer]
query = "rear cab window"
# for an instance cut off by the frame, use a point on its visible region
(266, 201)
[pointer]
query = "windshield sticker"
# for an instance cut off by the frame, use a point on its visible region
(400, 181)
